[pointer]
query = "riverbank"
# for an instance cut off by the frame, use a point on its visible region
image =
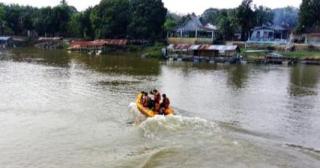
(308, 55)
(279, 57)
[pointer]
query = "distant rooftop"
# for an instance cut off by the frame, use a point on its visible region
(4, 38)
(194, 24)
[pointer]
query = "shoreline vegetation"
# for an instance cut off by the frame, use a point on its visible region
(150, 21)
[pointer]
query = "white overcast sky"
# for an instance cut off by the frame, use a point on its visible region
(179, 6)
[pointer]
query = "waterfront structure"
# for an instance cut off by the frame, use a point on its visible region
(46, 39)
(192, 32)
(312, 39)
(207, 52)
(96, 45)
(269, 35)
(49, 42)
(6, 41)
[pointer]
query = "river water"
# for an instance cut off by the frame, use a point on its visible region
(61, 110)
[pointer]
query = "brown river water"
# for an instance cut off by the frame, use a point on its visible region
(61, 110)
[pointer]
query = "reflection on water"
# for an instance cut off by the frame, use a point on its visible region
(71, 110)
(53, 58)
(304, 80)
(124, 63)
(237, 76)
(250, 96)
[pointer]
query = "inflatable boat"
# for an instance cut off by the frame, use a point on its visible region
(148, 112)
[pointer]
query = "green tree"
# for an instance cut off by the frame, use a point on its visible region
(80, 25)
(61, 16)
(263, 15)
(309, 16)
(44, 21)
(211, 15)
(74, 25)
(147, 19)
(2, 18)
(54, 21)
(111, 18)
(86, 24)
(13, 18)
(171, 21)
(245, 18)
(226, 24)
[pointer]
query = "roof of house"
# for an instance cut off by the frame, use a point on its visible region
(210, 26)
(4, 38)
(194, 24)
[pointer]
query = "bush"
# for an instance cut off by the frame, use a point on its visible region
(154, 51)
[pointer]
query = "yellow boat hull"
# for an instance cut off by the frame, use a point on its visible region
(148, 112)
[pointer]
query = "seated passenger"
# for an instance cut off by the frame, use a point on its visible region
(151, 100)
(142, 94)
(144, 100)
(157, 99)
(164, 105)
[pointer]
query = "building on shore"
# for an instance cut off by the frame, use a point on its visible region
(192, 32)
(6, 42)
(269, 35)
(206, 52)
(312, 39)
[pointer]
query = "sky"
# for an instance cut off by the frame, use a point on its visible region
(178, 6)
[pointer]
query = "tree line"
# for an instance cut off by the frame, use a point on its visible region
(137, 19)
(148, 19)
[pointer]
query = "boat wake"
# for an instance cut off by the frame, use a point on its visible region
(134, 114)
(165, 137)
(165, 125)
(171, 125)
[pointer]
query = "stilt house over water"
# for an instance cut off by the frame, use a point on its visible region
(6, 41)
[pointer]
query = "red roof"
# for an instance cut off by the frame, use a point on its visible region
(182, 46)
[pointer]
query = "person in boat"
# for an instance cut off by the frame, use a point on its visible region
(157, 99)
(144, 99)
(150, 100)
(164, 104)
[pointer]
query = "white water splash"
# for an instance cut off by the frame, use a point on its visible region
(172, 124)
(168, 124)
(135, 115)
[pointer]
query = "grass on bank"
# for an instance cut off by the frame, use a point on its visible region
(154, 51)
(151, 51)
(301, 54)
